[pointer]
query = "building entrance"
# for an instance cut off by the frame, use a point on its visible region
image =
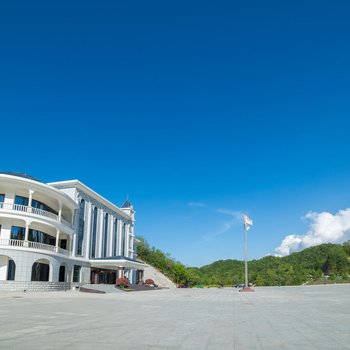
(99, 276)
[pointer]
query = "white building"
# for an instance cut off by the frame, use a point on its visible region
(59, 235)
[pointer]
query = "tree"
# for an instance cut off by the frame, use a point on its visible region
(297, 268)
(180, 273)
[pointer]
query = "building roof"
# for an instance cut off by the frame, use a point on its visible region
(90, 192)
(23, 175)
(36, 185)
(126, 204)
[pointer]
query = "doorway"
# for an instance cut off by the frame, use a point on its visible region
(62, 274)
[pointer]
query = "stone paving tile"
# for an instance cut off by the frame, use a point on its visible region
(315, 317)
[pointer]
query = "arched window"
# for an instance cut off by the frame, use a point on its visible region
(81, 224)
(11, 270)
(93, 233)
(105, 236)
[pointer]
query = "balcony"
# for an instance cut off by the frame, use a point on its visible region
(33, 245)
(35, 211)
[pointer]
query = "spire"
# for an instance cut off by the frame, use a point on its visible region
(127, 204)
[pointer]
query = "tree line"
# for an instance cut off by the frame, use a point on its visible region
(325, 263)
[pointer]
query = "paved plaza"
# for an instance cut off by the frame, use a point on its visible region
(309, 317)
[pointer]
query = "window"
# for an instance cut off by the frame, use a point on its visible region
(2, 198)
(76, 273)
(41, 237)
(18, 232)
(11, 270)
(105, 234)
(93, 235)
(42, 206)
(115, 237)
(21, 200)
(81, 224)
(35, 204)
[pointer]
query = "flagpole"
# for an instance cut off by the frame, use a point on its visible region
(245, 257)
(247, 222)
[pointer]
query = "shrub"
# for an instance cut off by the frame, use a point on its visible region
(122, 282)
(149, 281)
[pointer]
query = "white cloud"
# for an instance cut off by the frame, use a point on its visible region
(324, 228)
(236, 216)
(196, 204)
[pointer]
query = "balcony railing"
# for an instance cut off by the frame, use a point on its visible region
(36, 211)
(42, 213)
(33, 245)
(41, 246)
(63, 251)
(11, 242)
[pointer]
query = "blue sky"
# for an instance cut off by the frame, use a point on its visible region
(197, 110)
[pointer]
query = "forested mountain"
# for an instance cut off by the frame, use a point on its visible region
(326, 262)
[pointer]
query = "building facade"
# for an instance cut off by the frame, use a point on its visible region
(59, 235)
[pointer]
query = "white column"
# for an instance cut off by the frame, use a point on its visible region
(4, 261)
(110, 235)
(127, 235)
(100, 234)
(57, 239)
(87, 230)
(69, 243)
(26, 232)
(74, 245)
(73, 216)
(75, 222)
(132, 239)
(132, 246)
(59, 211)
(120, 236)
(117, 236)
(30, 198)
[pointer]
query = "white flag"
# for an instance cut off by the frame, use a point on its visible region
(247, 222)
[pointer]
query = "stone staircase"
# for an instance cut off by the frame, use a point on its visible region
(100, 288)
(160, 279)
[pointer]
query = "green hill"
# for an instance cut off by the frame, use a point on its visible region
(309, 265)
(326, 262)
